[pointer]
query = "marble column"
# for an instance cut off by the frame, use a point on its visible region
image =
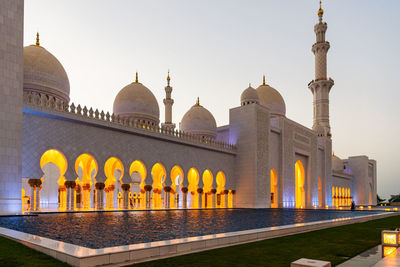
(184, 197)
(125, 190)
(213, 199)
(200, 197)
(226, 194)
(99, 196)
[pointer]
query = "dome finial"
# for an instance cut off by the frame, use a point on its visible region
(137, 78)
(263, 79)
(37, 39)
(249, 84)
(168, 78)
(198, 101)
(320, 10)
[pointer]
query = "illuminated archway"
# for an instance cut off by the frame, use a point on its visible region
(299, 185)
(207, 186)
(137, 171)
(86, 167)
(221, 180)
(320, 204)
(158, 173)
(193, 179)
(274, 189)
(54, 165)
(177, 177)
(114, 171)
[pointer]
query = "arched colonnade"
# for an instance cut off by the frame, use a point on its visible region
(134, 190)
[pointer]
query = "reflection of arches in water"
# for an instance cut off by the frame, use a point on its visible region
(158, 173)
(177, 177)
(207, 182)
(86, 167)
(221, 180)
(53, 193)
(299, 185)
(114, 170)
(193, 179)
(274, 189)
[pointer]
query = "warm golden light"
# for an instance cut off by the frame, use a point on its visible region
(193, 179)
(388, 250)
(87, 164)
(112, 167)
(158, 173)
(207, 182)
(389, 239)
(177, 177)
(58, 159)
(299, 185)
(274, 189)
(220, 179)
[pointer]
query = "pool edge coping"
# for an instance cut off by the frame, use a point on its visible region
(82, 256)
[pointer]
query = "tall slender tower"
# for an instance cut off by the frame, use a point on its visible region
(321, 86)
(168, 102)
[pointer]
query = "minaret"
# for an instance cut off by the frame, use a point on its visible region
(168, 102)
(321, 86)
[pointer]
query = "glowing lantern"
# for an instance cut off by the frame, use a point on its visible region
(390, 241)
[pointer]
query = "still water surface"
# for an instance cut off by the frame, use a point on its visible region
(107, 229)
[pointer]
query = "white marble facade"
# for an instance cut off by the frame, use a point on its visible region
(261, 159)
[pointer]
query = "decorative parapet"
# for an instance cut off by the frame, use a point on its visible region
(50, 103)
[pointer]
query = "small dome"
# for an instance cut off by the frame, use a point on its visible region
(136, 101)
(43, 73)
(199, 121)
(337, 163)
(272, 99)
(249, 96)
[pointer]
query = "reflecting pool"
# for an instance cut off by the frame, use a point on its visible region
(107, 229)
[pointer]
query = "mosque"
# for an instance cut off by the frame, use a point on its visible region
(66, 156)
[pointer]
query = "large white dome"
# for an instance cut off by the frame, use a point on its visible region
(136, 101)
(44, 74)
(199, 121)
(272, 99)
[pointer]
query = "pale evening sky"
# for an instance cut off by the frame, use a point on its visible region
(214, 49)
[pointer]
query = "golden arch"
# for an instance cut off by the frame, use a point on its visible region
(158, 173)
(207, 181)
(320, 200)
(175, 172)
(274, 189)
(114, 170)
(138, 166)
(88, 164)
(221, 180)
(193, 179)
(57, 158)
(299, 185)
(177, 176)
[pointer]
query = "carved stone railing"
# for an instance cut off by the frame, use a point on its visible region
(43, 100)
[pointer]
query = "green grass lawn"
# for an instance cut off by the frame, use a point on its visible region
(334, 244)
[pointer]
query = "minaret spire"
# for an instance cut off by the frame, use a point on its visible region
(321, 86)
(37, 39)
(168, 102)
